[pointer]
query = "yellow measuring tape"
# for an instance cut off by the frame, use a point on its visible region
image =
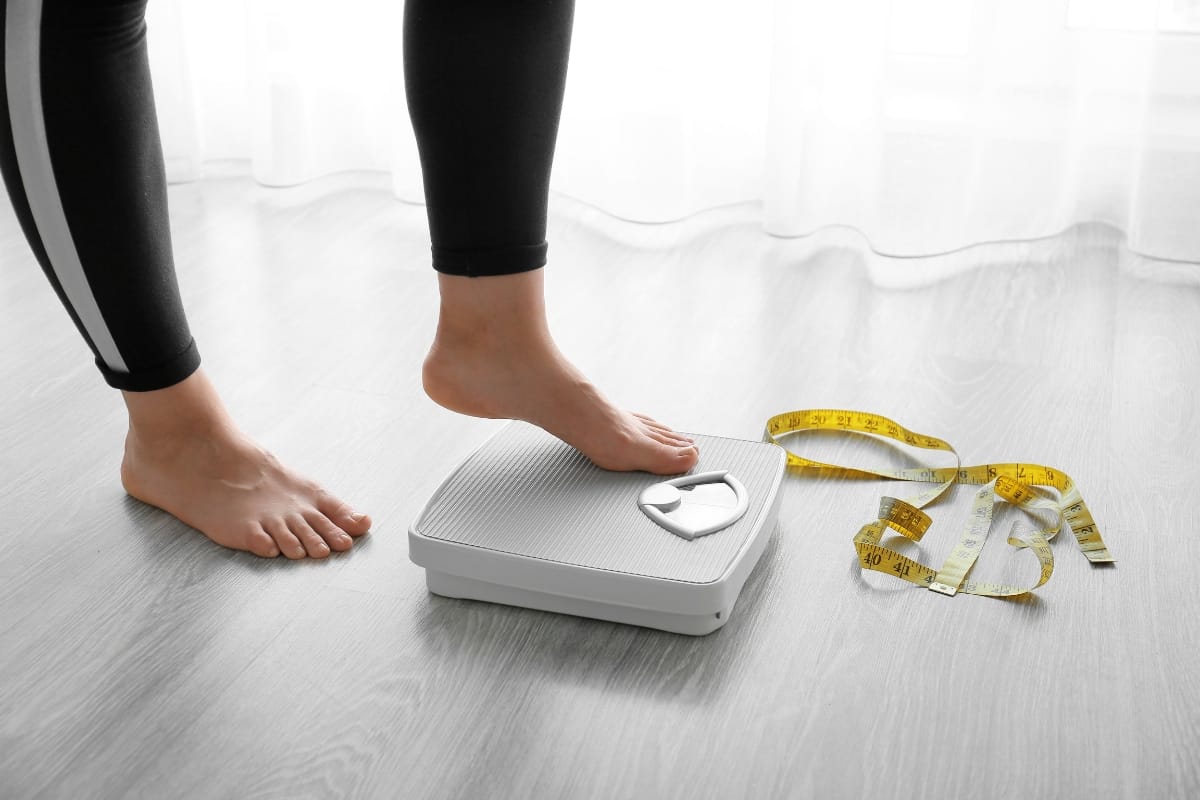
(1015, 483)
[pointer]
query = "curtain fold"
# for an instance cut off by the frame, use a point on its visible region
(927, 125)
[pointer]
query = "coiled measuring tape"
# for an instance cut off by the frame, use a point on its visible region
(1018, 484)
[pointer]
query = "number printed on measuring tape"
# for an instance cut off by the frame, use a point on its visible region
(1013, 483)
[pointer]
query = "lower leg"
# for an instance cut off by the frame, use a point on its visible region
(493, 356)
(484, 83)
(80, 156)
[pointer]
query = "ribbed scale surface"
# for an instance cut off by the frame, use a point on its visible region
(525, 492)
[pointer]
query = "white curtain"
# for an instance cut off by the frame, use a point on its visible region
(927, 125)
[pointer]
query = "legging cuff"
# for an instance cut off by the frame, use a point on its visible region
(159, 377)
(478, 263)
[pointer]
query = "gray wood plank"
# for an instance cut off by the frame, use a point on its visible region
(137, 659)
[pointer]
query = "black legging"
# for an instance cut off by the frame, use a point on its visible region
(82, 162)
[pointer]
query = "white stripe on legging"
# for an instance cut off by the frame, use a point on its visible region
(23, 79)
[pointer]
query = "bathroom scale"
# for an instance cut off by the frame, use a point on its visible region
(527, 520)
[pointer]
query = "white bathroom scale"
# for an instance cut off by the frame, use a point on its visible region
(528, 521)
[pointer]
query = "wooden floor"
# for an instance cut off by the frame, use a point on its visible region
(139, 660)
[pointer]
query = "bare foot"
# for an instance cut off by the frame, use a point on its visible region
(184, 455)
(494, 357)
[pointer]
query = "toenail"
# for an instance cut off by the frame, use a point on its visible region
(357, 516)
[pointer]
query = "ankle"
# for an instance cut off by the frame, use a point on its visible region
(188, 407)
(476, 312)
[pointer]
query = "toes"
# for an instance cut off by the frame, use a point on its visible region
(314, 545)
(670, 438)
(685, 458)
(637, 447)
(658, 427)
(657, 454)
(667, 439)
(335, 537)
(260, 543)
(671, 460)
(342, 515)
(285, 540)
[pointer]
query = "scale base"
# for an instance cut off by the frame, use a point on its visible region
(528, 521)
(447, 585)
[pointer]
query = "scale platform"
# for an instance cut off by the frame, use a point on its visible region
(528, 521)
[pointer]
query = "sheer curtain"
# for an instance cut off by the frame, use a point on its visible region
(927, 125)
